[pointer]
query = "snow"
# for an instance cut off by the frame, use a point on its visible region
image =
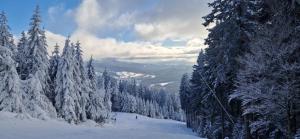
(126, 75)
(163, 84)
(13, 126)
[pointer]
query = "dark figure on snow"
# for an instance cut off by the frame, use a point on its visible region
(136, 117)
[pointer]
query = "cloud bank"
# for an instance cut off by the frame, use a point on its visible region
(136, 29)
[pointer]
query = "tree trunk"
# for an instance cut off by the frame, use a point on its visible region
(223, 126)
(248, 134)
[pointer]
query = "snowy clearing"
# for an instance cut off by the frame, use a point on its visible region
(126, 127)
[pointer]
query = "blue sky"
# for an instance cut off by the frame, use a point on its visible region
(19, 12)
(135, 29)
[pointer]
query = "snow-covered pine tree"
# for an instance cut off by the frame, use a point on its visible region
(21, 56)
(109, 87)
(11, 95)
(67, 102)
(152, 110)
(79, 75)
(184, 91)
(91, 74)
(54, 60)
(95, 106)
(139, 106)
(37, 65)
(116, 100)
(106, 79)
(6, 38)
(234, 23)
(268, 83)
(37, 56)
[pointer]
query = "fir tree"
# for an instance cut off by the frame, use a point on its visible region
(6, 38)
(37, 62)
(11, 95)
(21, 56)
(37, 66)
(95, 107)
(54, 61)
(80, 79)
(67, 102)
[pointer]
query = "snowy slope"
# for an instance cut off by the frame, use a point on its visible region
(126, 127)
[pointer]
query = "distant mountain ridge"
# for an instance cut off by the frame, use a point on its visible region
(164, 74)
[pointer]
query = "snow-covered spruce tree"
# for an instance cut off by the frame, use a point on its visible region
(67, 101)
(128, 103)
(95, 106)
(200, 100)
(116, 100)
(11, 95)
(139, 106)
(6, 38)
(80, 80)
(184, 91)
(37, 56)
(106, 79)
(268, 84)
(109, 87)
(21, 56)
(37, 65)
(54, 60)
(234, 24)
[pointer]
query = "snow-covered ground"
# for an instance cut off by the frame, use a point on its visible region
(127, 75)
(126, 127)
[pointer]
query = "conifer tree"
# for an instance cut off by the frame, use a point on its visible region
(95, 107)
(37, 76)
(54, 61)
(11, 95)
(6, 38)
(21, 56)
(67, 102)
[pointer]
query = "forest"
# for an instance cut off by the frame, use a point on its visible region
(61, 85)
(246, 82)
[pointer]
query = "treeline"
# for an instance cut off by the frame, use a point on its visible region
(62, 86)
(34, 84)
(157, 103)
(246, 83)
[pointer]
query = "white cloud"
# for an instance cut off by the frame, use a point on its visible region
(111, 48)
(172, 20)
(88, 15)
(145, 29)
(196, 42)
(53, 39)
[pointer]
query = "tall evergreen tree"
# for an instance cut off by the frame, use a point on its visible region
(11, 96)
(80, 79)
(37, 62)
(54, 61)
(235, 22)
(67, 101)
(109, 87)
(95, 107)
(37, 66)
(268, 84)
(6, 38)
(21, 56)
(184, 91)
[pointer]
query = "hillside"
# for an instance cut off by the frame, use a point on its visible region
(159, 74)
(126, 127)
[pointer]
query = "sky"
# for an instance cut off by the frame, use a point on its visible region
(140, 30)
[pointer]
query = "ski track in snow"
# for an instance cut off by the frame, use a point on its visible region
(126, 127)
